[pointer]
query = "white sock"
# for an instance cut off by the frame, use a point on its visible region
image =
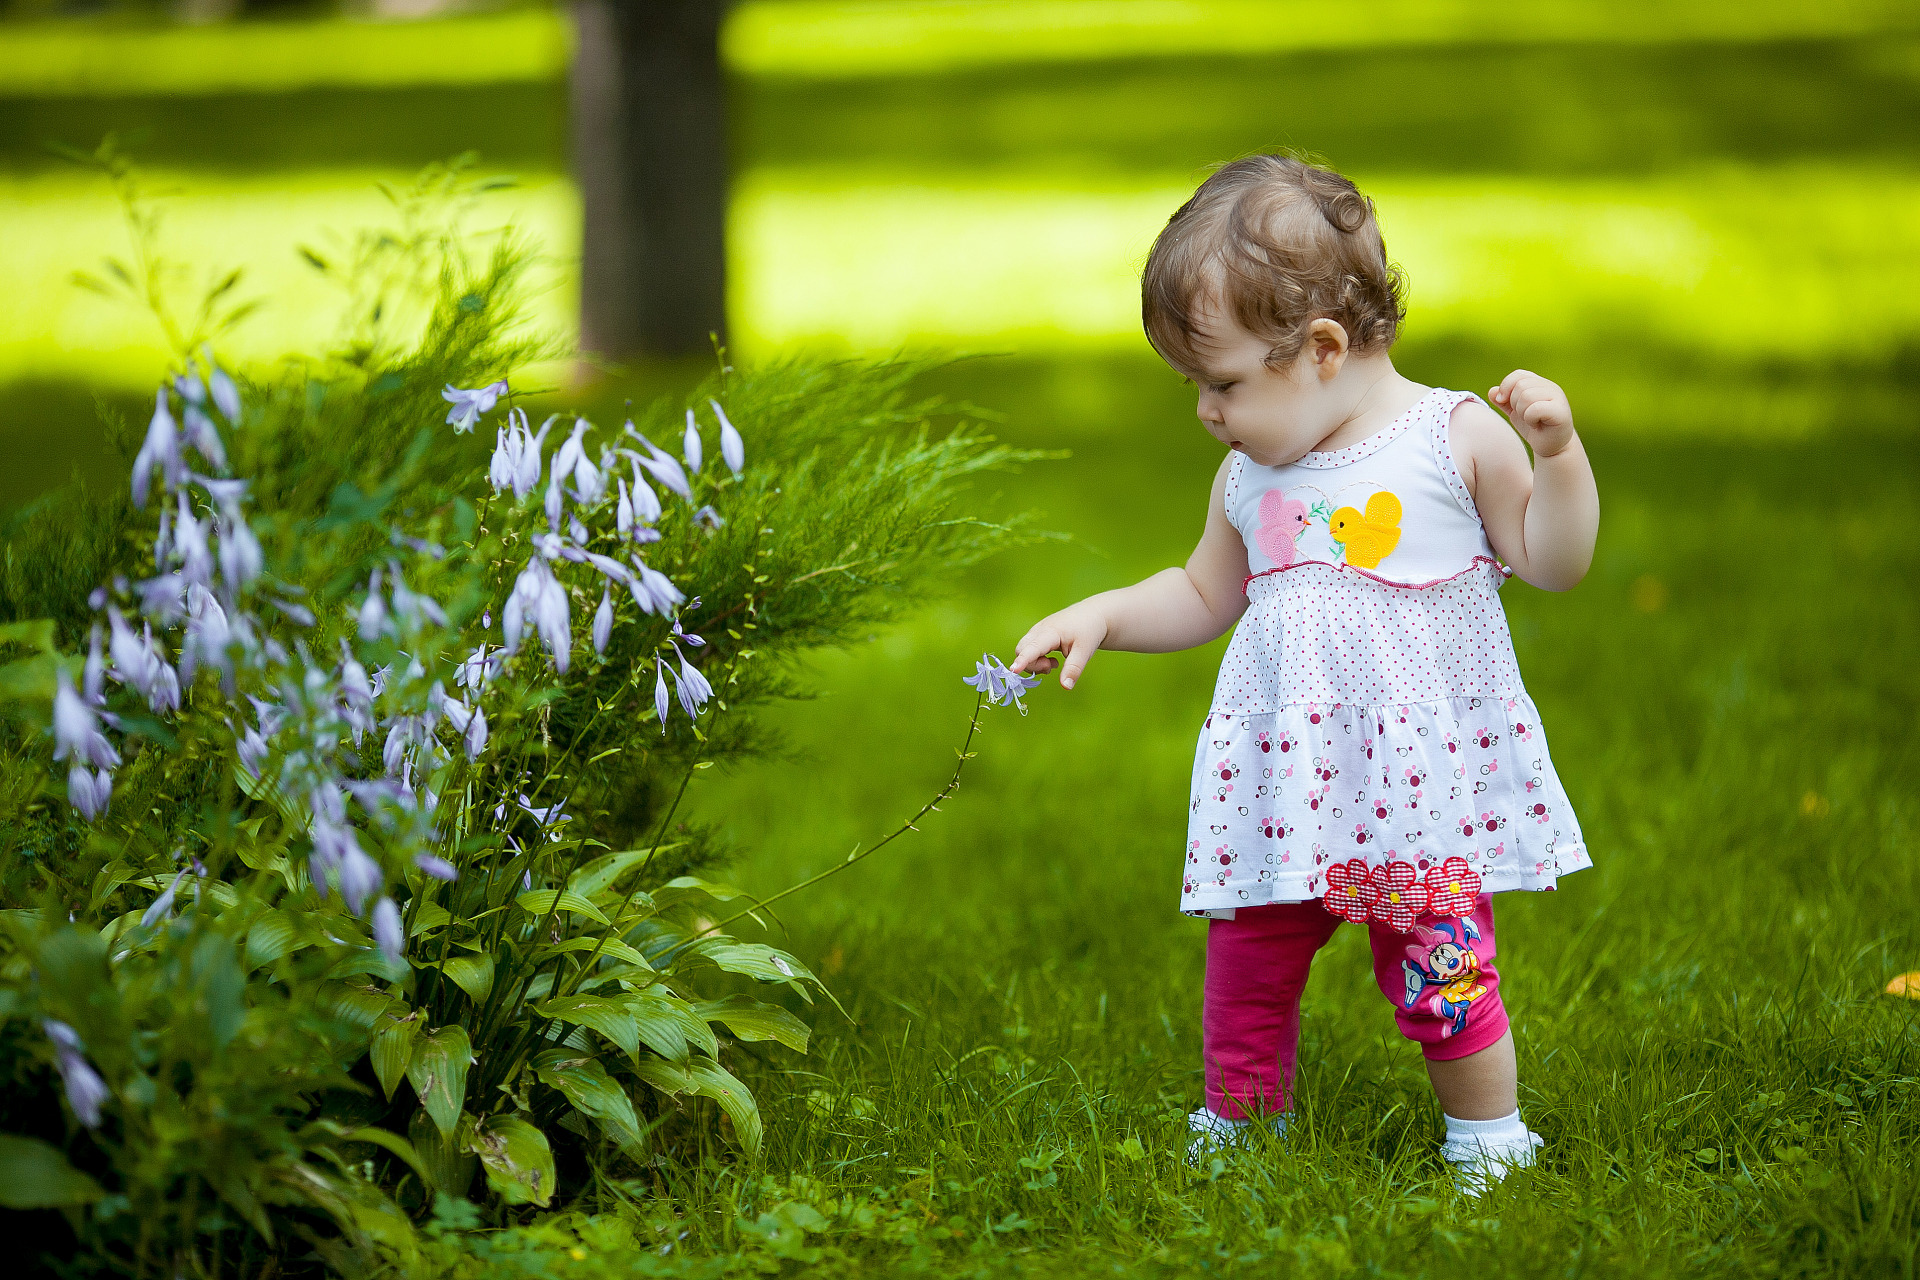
(1504, 1139)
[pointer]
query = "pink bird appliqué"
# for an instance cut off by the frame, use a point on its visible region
(1282, 520)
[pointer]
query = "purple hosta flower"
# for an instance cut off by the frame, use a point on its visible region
(553, 502)
(190, 544)
(386, 930)
(356, 694)
(298, 614)
(191, 389)
(690, 445)
(240, 558)
(687, 637)
(603, 621)
(251, 749)
(76, 728)
(475, 737)
(708, 518)
(438, 868)
(538, 595)
(469, 405)
(373, 610)
(198, 429)
(163, 598)
(208, 635)
(660, 694)
(411, 607)
(88, 792)
(623, 512)
(93, 676)
(469, 722)
(161, 449)
(589, 481)
(570, 453)
(85, 1089)
(162, 908)
(652, 590)
(226, 396)
(419, 546)
(693, 688)
(1001, 685)
(646, 504)
(139, 663)
(733, 450)
(476, 671)
(516, 456)
(664, 466)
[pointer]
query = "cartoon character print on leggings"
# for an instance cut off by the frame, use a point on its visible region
(1442, 972)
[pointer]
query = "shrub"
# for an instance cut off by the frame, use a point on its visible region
(367, 886)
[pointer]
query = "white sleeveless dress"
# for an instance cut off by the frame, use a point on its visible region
(1370, 742)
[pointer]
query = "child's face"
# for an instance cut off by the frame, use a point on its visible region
(1273, 415)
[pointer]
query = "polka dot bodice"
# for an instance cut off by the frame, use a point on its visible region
(1369, 705)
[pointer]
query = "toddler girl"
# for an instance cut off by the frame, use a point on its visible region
(1371, 754)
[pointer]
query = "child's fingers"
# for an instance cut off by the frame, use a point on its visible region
(1079, 653)
(1031, 653)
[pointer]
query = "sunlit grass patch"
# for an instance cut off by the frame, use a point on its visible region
(1787, 263)
(65, 222)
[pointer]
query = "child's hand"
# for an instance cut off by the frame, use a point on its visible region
(1073, 632)
(1539, 411)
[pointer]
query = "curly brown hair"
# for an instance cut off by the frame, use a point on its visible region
(1277, 243)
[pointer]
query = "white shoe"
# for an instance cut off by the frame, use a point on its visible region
(1478, 1166)
(1214, 1132)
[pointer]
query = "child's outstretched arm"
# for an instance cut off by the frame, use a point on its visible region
(1542, 520)
(1174, 609)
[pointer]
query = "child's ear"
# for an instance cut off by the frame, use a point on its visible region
(1327, 347)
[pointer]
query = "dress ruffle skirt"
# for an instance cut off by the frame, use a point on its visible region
(1358, 721)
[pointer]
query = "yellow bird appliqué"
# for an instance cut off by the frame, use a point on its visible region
(1368, 538)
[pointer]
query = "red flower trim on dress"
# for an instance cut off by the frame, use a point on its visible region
(1472, 566)
(1395, 894)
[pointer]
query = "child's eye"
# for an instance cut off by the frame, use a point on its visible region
(1220, 388)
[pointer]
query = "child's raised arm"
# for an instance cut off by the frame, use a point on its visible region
(1541, 520)
(1174, 609)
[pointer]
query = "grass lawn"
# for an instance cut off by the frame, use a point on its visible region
(1703, 1035)
(1709, 241)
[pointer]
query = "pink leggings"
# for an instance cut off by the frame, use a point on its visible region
(1440, 978)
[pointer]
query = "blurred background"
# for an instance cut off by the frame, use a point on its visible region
(1701, 216)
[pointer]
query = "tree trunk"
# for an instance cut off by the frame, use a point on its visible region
(649, 142)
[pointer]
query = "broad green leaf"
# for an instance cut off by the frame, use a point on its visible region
(34, 1175)
(518, 1161)
(222, 986)
(686, 887)
(609, 1017)
(361, 1006)
(712, 1080)
(667, 1023)
(445, 1162)
(234, 1190)
(438, 1071)
(428, 917)
(751, 1019)
(604, 872)
(757, 960)
(273, 935)
(539, 902)
(669, 1078)
(395, 1143)
(595, 1093)
(613, 948)
(392, 1050)
(472, 974)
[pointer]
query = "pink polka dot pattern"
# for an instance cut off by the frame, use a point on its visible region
(1357, 717)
